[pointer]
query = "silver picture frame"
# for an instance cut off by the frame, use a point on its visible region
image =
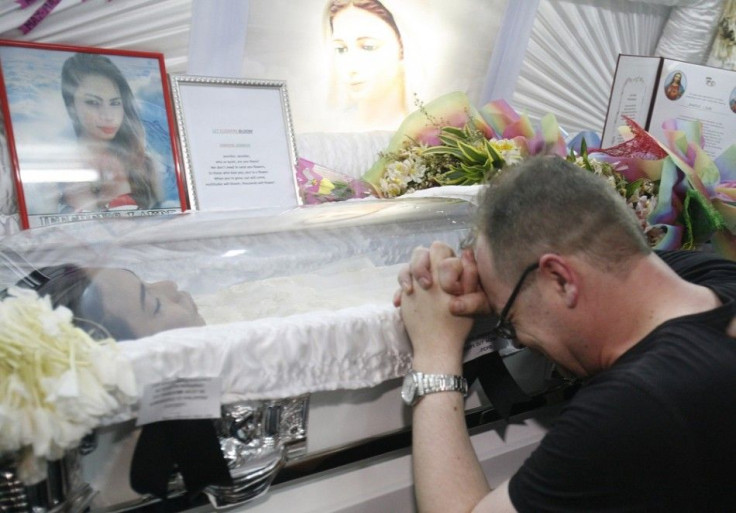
(237, 142)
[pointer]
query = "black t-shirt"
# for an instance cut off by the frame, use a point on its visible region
(657, 430)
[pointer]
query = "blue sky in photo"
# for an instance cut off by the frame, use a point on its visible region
(39, 119)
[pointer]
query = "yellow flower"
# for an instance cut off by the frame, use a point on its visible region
(325, 186)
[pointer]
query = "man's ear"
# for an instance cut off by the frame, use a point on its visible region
(561, 274)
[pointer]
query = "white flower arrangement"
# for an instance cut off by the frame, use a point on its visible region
(508, 150)
(56, 382)
(405, 174)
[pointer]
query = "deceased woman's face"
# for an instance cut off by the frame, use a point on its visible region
(147, 308)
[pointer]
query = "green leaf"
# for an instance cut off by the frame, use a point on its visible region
(454, 177)
(449, 140)
(457, 132)
(631, 187)
(445, 150)
(472, 154)
(700, 218)
(493, 154)
(475, 174)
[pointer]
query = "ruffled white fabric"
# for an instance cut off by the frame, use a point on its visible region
(281, 357)
(536, 75)
(689, 31)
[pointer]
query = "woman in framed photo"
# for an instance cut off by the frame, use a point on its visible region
(111, 138)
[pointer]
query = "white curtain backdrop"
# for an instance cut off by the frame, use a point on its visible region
(571, 57)
(145, 25)
(566, 63)
(690, 29)
(509, 50)
(221, 26)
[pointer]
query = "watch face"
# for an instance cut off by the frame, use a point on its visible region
(409, 389)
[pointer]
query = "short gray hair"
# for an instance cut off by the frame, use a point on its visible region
(550, 205)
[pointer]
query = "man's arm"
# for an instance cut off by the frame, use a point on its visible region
(447, 474)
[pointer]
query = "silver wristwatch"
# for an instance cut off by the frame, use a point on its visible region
(418, 384)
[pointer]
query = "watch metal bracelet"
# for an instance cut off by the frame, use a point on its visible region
(430, 383)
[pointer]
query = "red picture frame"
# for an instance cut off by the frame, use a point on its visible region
(90, 133)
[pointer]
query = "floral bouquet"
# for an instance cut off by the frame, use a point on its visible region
(694, 200)
(318, 184)
(681, 196)
(449, 142)
(56, 382)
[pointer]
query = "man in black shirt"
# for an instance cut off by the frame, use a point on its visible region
(563, 260)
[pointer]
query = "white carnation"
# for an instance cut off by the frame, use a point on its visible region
(56, 383)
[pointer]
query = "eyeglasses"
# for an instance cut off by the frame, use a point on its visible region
(504, 329)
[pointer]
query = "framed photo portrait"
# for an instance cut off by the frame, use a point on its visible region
(90, 133)
(237, 142)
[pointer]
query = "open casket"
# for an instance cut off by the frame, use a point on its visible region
(300, 333)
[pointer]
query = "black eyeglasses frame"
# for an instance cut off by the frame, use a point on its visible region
(504, 329)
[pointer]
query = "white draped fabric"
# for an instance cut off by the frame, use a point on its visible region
(221, 26)
(689, 32)
(572, 54)
(570, 57)
(144, 25)
(508, 54)
(359, 347)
